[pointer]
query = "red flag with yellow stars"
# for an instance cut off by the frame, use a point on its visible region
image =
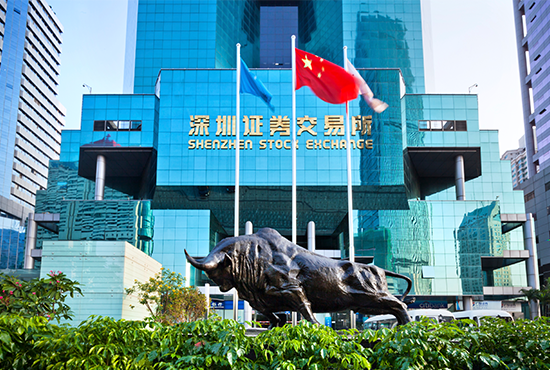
(328, 81)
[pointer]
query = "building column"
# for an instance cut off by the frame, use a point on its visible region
(100, 177)
(311, 236)
(30, 243)
(460, 178)
(248, 230)
(187, 273)
(532, 263)
(468, 303)
(207, 295)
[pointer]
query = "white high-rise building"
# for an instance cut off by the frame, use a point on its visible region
(31, 117)
(518, 162)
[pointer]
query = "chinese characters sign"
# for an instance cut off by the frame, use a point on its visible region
(278, 133)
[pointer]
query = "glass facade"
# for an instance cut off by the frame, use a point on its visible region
(406, 216)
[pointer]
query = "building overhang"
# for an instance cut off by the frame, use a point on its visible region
(435, 166)
(271, 206)
(508, 258)
(511, 221)
(367, 260)
(49, 221)
(131, 170)
(503, 292)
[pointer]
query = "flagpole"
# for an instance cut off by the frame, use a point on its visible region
(350, 200)
(237, 168)
(237, 139)
(294, 212)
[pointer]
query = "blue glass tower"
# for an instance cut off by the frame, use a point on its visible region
(170, 146)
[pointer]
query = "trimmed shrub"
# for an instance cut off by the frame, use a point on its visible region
(104, 343)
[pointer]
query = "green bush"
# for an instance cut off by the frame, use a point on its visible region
(104, 343)
(38, 297)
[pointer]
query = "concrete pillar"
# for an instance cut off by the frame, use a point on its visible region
(100, 177)
(207, 294)
(187, 274)
(30, 243)
(468, 303)
(460, 178)
(311, 236)
(248, 229)
(532, 263)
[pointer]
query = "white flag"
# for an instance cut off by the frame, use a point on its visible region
(376, 105)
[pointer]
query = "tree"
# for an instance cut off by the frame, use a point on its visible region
(541, 295)
(544, 298)
(168, 300)
(38, 297)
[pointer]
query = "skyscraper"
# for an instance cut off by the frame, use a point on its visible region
(518, 163)
(532, 20)
(31, 119)
(533, 32)
(431, 198)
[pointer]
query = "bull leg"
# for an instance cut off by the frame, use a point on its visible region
(386, 304)
(396, 308)
(303, 305)
(305, 310)
(274, 320)
(295, 294)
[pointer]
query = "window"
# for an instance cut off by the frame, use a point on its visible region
(442, 125)
(529, 196)
(547, 186)
(99, 125)
(122, 125)
(277, 24)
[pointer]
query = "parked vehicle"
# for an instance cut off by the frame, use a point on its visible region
(433, 314)
(389, 321)
(477, 315)
(379, 322)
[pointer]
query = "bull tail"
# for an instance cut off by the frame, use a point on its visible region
(406, 278)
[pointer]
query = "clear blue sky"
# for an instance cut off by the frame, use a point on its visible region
(473, 42)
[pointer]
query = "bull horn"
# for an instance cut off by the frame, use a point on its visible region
(210, 265)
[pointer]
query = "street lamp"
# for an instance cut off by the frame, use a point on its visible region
(89, 88)
(471, 87)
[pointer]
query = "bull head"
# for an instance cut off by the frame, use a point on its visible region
(209, 265)
(217, 267)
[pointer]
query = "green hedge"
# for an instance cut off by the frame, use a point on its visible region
(104, 343)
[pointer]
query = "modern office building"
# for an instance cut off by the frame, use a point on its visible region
(532, 20)
(31, 117)
(156, 168)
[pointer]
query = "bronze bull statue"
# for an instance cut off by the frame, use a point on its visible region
(275, 275)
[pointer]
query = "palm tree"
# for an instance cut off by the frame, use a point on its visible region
(544, 298)
(533, 296)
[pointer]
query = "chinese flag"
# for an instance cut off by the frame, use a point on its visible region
(328, 81)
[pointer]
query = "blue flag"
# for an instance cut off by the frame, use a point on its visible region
(250, 84)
